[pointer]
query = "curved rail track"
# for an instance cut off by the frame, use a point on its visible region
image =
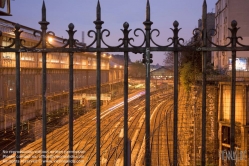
(111, 136)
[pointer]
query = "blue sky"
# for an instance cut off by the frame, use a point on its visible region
(114, 13)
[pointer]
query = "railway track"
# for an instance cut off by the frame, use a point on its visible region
(111, 137)
(29, 129)
(160, 146)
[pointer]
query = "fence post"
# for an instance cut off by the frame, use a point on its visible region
(129, 152)
(17, 46)
(175, 132)
(147, 24)
(44, 24)
(71, 82)
(126, 55)
(98, 27)
(233, 89)
(204, 66)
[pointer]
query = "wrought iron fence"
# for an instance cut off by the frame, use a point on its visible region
(71, 46)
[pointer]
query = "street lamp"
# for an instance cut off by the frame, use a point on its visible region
(50, 39)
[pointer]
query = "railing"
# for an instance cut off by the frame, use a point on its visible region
(125, 46)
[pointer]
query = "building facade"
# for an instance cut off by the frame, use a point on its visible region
(5, 8)
(241, 123)
(225, 12)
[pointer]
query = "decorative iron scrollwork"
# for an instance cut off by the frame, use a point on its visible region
(233, 38)
(158, 33)
(126, 32)
(12, 40)
(107, 35)
(175, 39)
(135, 33)
(215, 32)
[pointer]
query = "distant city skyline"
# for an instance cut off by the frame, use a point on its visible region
(60, 13)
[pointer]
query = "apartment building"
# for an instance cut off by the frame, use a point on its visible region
(225, 12)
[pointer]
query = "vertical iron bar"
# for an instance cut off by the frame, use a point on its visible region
(147, 137)
(126, 32)
(98, 27)
(70, 108)
(175, 138)
(204, 66)
(71, 81)
(44, 103)
(44, 24)
(232, 115)
(175, 132)
(17, 46)
(126, 108)
(147, 24)
(98, 83)
(233, 91)
(129, 153)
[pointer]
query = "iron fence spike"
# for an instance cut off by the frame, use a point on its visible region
(43, 11)
(98, 14)
(148, 11)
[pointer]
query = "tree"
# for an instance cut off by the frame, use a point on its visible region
(189, 62)
(191, 65)
(137, 69)
(169, 59)
(187, 76)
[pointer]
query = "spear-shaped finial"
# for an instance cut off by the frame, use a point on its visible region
(98, 11)
(43, 11)
(98, 21)
(148, 11)
(204, 14)
(204, 7)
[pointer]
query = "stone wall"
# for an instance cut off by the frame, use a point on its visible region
(190, 118)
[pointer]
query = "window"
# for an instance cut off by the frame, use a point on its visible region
(241, 64)
(89, 61)
(225, 135)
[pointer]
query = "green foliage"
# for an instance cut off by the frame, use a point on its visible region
(187, 75)
(194, 57)
(190, 64)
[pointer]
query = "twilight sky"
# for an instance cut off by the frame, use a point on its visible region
(114, 13)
